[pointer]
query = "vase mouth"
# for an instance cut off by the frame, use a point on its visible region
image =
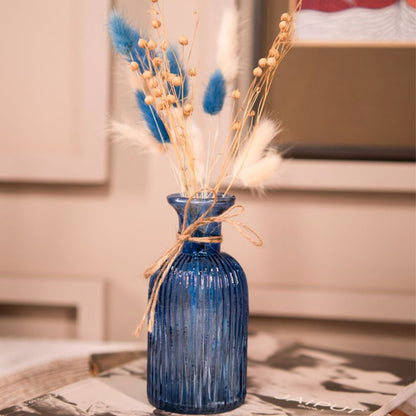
(222, 199)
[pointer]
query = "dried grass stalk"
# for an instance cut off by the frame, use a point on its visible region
(166, 83)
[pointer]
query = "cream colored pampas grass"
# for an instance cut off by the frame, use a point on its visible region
(228, 44)
(257, 143)
(138, 138)
(257, 175)
(256, 163)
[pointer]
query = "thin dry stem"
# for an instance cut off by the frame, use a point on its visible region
(177, 118)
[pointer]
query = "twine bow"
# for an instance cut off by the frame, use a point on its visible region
(165, 262)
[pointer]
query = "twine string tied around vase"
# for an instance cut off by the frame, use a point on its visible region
(165, 262)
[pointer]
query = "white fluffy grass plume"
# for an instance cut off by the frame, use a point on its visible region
(228, 44)
(257, 143)
(139, 138)
(257, 175)
(256, 163)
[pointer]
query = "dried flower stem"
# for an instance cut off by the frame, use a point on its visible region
(165, 88)
(259, 85)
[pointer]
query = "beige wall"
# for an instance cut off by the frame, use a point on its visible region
(311, 239)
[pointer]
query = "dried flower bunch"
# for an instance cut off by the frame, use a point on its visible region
(165, 82)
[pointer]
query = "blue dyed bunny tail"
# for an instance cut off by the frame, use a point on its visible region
(125, 40)
(177, 69)
(215, 93)
(153, 121)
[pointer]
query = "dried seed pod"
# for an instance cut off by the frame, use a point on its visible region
(149, 100)
(153, 83)
(272, 62)
(171, 99)
(134, 66)
(252, 113)
(236, 94)
(170, 77)
(157, 61)
(142, 43)
(162, 105)
(156, 23)
(274, 52)
(262, 63)
(152, 44)
(157, 92)
(192, 72)
(283, 36)
(147, 75)
(154, 1)
(183, 40)
(176, 81)
(237, 125)
(188, 109)
(257, 72)
(283, 26)
(164, 45)
(286, 17)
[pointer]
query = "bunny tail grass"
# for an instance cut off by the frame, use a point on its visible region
(215, 93)
(135, 137)
(176, 68)
(125, 38)
(153, 121)
(228, 44)
(256, 144)
(257, 175)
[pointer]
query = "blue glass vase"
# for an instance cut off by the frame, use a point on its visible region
(197, 351)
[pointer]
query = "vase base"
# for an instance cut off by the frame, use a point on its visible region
(207, 410)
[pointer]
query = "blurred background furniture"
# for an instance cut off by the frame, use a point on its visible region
(54, 80)
(86, 297)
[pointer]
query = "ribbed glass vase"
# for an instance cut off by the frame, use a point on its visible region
(197, 351)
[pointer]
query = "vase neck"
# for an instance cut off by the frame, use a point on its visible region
(197, 208)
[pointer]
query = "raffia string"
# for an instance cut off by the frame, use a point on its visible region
(164, 263)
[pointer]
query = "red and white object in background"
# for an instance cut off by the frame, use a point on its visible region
(338, 5)
(357, 20)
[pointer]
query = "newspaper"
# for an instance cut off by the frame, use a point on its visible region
(295, 380)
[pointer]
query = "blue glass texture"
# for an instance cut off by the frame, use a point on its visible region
(197, 352)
